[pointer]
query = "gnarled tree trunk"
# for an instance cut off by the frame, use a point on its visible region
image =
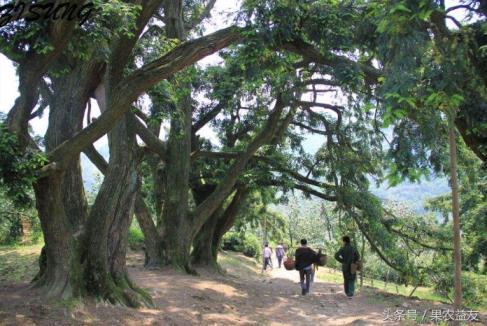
(208, 240)
(107, 227)
(60, 197)
(152, 239)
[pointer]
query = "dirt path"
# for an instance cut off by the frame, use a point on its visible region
(270, 299)
(242, 297)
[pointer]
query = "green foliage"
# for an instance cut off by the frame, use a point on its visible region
(474, 289)
(474, 286)
(135, 237)
(473, 210)
(231, 241)
(10, 229)
(18, 168)
(430, 71)
(251, 246)
(246, 243)
(305, 222)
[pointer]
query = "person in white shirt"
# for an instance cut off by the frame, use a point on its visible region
(267, 257)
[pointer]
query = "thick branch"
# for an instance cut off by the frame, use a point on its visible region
(409, 237)
(313, 130)
(210, 115)
(198, 19)
(371, 241)
(205, 209)
(315, 193)
(309, 52)
(180, 57)
(177, 59)
(151, 140)
(96, 158)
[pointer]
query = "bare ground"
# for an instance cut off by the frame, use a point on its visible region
(241, 297)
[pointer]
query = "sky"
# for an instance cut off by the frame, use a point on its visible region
(222, 16)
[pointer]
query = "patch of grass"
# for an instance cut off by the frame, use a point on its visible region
(19, 263)
(69, 304)
(232, 261)
(328, 275)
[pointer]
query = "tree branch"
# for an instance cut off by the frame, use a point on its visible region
(309, 52)
(177, 59)
(197, 20)
(151, 140)
(208, 206)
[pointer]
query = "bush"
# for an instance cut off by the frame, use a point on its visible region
(248, 244)
(11, 216)
(231, 241)
(474, 287)
(251, 246)
(10, 229)
(135, 238)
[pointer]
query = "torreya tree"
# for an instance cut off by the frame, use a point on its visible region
(112, 78)
(472, 207)
(341, 160)
(432, 75)
(330, 69)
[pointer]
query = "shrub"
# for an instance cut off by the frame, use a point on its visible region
(232, 241)
(11, 216)
(248, 244)
(135, 238)
(474, 287)
(251, 246)
(10, 228)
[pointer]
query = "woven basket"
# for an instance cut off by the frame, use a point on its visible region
(321, 260)
(355, 267)
(289, 264)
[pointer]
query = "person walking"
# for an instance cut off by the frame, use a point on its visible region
(346, 256)
(267, 257)
(304, 259)
(280, 254)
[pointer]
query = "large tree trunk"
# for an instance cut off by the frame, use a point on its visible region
(204, 248)
(208, 240)
(32, 67)
(105, 243)
(60, 269)
(152, 239)
(456, 216)
(108, 223)
(177, 223)
(60, 197)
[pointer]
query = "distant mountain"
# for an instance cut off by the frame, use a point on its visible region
(413, 194)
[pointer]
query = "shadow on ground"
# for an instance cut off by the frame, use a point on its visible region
(242, 297)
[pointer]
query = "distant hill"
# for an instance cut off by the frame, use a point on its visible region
(413, 194)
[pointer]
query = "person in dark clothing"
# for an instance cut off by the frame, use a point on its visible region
(304, 259)
(346, 256)
(280, 253)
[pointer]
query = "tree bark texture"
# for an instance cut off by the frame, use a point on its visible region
(457, 256)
